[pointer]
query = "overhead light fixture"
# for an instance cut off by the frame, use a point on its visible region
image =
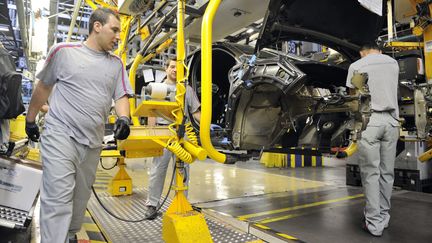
(250, 30)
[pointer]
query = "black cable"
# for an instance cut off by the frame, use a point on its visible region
(114, 165)
(112, 214)
(137, 220)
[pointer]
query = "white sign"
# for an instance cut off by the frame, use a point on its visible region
(148, 75)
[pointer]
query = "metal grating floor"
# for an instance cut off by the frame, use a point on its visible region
(133, 208)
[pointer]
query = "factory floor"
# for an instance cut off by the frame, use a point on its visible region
(310, 204)
(247, 202)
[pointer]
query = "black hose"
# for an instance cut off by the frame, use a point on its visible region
(111, 213)
(102, 165)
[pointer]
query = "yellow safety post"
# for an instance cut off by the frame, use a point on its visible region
(206, 81)
(181, 223)
(121, 184)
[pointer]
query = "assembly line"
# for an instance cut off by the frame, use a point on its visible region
(215, 121)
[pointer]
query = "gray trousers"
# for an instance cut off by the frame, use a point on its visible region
(158, 173)
(377, 149)
(69, 170)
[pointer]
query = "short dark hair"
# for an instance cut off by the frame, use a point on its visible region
(370, 46)
(101, 15)
(167, 63)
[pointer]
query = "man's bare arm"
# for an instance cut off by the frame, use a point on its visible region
(122, 106)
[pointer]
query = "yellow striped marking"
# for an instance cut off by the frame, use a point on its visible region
(280, 234)
(104, 233)
(294, 215)
(244, 217)
(262, 226)
(289, 237)
(90, 227)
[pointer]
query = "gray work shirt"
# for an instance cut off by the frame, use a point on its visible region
(383, 72)
(86, 81)
(192, 103)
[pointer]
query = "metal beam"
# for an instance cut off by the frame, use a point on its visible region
(52, 24)
(73, 20)
(23, 28)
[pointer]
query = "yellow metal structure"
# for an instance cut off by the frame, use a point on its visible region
(121, 184)
(145, 141)
(405, 45)
(152, 108)
(427, 41)
(144, 32)
(206, 81)
(110, 154)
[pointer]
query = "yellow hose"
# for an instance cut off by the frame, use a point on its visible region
(350, 150)
(425, 156)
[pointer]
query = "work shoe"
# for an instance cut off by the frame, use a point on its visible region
(74, 239)
(151, 213)
(365, 228)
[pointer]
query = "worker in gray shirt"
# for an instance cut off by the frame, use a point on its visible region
(160, 164)
(377, 146)
(87, 77)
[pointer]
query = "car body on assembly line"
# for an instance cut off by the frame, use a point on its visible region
(263, 98)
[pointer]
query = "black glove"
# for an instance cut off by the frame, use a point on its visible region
(32, 131)
(121, 128)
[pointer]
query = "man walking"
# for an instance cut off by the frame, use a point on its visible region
(377, 146)
(87, 78)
